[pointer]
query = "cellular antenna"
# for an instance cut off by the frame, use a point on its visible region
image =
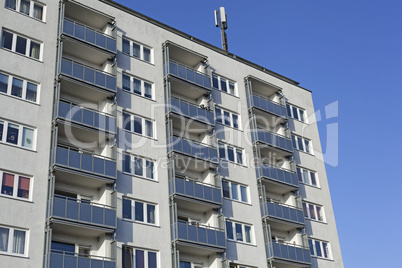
(221, 21)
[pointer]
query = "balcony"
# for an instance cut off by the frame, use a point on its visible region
(268, 106)
(62, 259)
(194, 149)
(283, 213)
(199, 118)
(290, 253)
(203, 236)
(86, 117)
(71, 209)
(279, 180)
(189, 74)
(75, 159)
(274, 140)
(197, 191)
(88, 35)
(88, 75)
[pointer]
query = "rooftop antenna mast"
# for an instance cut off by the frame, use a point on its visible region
(221, 21)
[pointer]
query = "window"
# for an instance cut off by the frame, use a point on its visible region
(307, 176)
(137, 50)
(138, 166)
(138, 86)
(139, 258)
(138, 125)
(227, 118)
(313, 212)
(231, 153)
(12, 240)
(20, 44)
(187, 264)
(139, 211)
(234, 191)
(302, 144)
(15, 185)
(233, 265)
(20, 88)
(296, 113)
(319, 248)
(17, 134)
(224, 85)
(30, 8)
(239, 232)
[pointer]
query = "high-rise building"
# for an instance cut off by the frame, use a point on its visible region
(127, 143)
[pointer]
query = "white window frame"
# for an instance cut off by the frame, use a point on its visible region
(146, 252)
(11, 241)
(238, 190)
(228, 81)
(142, 46)
(28, 44)
(24, 87)
(145, 211)
(222, 118)
(31, 9)
(225, 145)
(144, 166)
(243, 225)
(327, 250)
(143, 82)
(15, 187)
(307, 180)
(295, 141)
(301, 113)
(20, 134)
(143, 125)
(306, 208)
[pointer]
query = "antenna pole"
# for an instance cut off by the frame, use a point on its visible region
(224, 39)
(221, 21)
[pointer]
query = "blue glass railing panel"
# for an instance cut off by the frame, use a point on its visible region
(288, 252)
(267, 105)
(197, 190)
(192, 111)
(274, 140)
(72, 260)
(89, 35)
(195, 149)
(284, 212)
(203, 235)
(189, 74)
(279, 175)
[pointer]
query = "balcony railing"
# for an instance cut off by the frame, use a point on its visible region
(85, 162)
(278, 175)
(194, 149)
(189, 74)
(195, 189)
(282, 212)
(267, 105)
(288, 252)
(198, 234)
(80, 211)
(88, 74)
(192, 111)
(274, 139)
(63, 259)
(85, 116)
(89, 35)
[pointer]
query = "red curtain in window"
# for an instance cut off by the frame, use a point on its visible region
(23, 184)
(8, 180)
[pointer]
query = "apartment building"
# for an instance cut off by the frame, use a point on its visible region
(145, 147)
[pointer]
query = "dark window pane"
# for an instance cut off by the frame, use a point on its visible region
(307, 147)
(139, 211)
(235, 195)
(295, 114)
(139, 259)
(294, 142)
(225, 189)
(137, 86)
(11, 4)
(7, 40)
(299, 176)
(247, 230)
(239, 156)
(288, 109)
(325, 249)
(230, 154)
(150, 169)
(226, 116)
(148, 90)
(305, 210)
(152, 260)
(127, 163)
(3, 83)
(137, 125)
(136, 50)
(34, 51)
(138, 166)
(184, 264)
(150, 213)
(126, 209)
(126, 121)
(231, 88)
(222, 151)
(65, 247)
(1, 131)
(126, 82)
(31, 92)
(149, 128)
(4, 233)
(235, 121)
(229, 230)
(300, 143)
(127, 257)
(24, 7)
(310, 243)
(223, 85)
(239, 233)
(215, 82)
(21, 45)
(305, 176)
(7, 186)
(126, 46)
(313, 180)
(147, 54)
(38, 12)
(312, 212)
(302, 115)
(218, 115)
(12, 134)
(318, 248)
(243, 192)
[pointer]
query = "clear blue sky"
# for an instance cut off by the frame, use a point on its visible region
(347, 51)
